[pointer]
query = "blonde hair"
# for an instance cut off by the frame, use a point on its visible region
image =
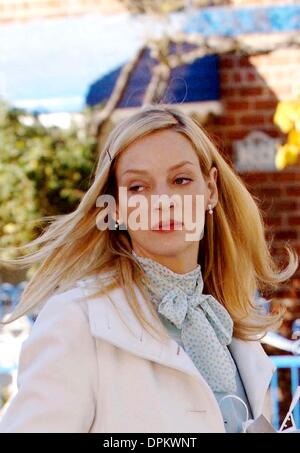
(234, 255)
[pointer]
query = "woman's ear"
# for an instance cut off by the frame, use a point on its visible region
(212, 185)
(214, 173)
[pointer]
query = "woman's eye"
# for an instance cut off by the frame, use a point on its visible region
(135, 188)
(182, 178)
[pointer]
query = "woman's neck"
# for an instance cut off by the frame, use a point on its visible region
(181, 263)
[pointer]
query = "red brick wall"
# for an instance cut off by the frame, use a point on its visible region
(11, 10)
(279, 194)
(250, 90)
(29, 9)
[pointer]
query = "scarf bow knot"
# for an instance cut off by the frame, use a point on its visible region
(205, 324)
(176, 304)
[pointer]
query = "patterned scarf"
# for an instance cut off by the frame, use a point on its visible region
(206, 326)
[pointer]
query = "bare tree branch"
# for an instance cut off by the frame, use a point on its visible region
(100, 117)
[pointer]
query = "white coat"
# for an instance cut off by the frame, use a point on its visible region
(82, 370)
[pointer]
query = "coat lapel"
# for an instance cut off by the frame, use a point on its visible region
(126, 332)
(256, 370)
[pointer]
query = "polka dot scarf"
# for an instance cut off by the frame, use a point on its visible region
(206, 326)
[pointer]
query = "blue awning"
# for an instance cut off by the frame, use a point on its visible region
(195, 82)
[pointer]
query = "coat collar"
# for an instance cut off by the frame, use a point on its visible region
(106, 323)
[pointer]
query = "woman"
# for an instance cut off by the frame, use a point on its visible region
(145, 329)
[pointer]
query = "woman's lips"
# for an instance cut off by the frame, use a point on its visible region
(166, 227)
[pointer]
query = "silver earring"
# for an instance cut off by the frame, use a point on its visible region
(210, 208)
(117, 224)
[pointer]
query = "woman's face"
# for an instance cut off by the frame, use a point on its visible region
(163, 163)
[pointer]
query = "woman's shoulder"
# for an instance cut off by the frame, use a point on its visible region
(71, 303)
(95, 281)
(60, 314)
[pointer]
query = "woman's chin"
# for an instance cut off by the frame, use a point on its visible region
(160, 244)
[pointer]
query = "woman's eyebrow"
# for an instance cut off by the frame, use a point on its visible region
(174, 167)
